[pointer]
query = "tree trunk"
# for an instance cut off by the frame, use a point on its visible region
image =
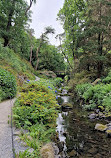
(99, 69)
(28, 7)
(100, 49)
(31, 54)
(9, 24)
(6, 41)
(88, 69)
(65, 54)
(37, 52)
(37, 63)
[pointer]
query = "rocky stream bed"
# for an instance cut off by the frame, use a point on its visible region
(80, 133)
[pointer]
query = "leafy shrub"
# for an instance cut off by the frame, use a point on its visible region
(90, 106)
(7, 84)
(107, 101)
(79, 78)
(107, 79)
(96, 96)
(35, 110)
(82, 88)
(57, 81)
(35, 104)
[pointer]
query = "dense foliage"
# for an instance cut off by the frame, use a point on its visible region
(86, 47)
(12, 62)
(35, 110)
(49, 58)
(13, 20)
(87, 36)
(17, 35)
(8, 86)
(97, 96)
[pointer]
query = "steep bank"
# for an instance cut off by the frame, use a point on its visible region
(15, 64)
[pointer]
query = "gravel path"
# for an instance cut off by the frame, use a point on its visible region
(5, 130)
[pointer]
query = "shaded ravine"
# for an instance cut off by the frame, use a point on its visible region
(77, 134)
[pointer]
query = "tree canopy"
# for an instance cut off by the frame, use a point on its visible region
(87, 41)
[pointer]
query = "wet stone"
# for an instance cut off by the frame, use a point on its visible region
(60, 146)
(109, 124)
(67, 105)
(97, 111)
(56, 149)
(101, 115)
(92, 116)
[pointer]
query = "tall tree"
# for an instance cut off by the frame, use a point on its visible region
(13, 20)
(71, 16)
(97, 33)
(30, 33)
(60, 37)
(48, 30)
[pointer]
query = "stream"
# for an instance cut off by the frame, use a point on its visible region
(77, 134)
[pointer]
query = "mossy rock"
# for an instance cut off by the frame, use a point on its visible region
(61, 94)
(101, 127)
(67, 105)
(108, 132)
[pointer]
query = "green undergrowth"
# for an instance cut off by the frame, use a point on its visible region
(79, 78)
(98, 96)
(57, 82)
(15, 64)
(36, 111)
(8, 87)
(107, 80)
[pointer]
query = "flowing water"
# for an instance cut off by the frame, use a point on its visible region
(77, 134)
